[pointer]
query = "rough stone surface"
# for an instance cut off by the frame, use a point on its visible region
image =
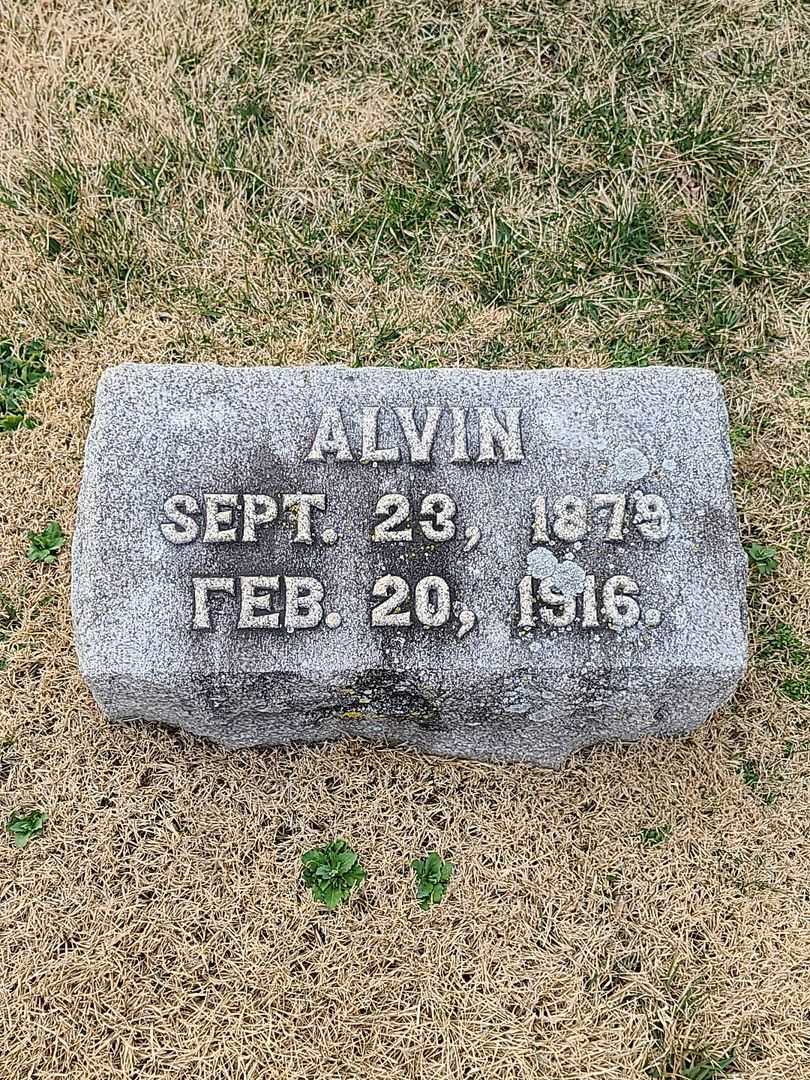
(607, 615)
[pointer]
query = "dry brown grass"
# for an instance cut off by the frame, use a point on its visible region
(158, 928)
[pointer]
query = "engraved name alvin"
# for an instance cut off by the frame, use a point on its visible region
(552, 596)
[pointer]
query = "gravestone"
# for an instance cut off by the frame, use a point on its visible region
(496, 565)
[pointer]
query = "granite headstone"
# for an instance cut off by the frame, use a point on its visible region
(497, 565)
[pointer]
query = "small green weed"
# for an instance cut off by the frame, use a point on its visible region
(764, 560)
(256, 114)
(655, 834)
(46, 545)
(22, 368)
(790, 748)
(376, 347)
(26, 826)
(432, 878)
(331, 872)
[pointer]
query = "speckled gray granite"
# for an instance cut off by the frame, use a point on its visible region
(498, 565)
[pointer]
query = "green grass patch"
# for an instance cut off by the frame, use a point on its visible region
(10, 617)
(22, 369)
(783, 641)
(706, 134)
(52, 188)
(136, 178)
(653, 835)
(609, 133)
(625, 352)
(100, 102)
(797, 689)
(694, 1065)
(753, 779)
(398, 217)
(614, 242)
(500, 264)
(795, 479)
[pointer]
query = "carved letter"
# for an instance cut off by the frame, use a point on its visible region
(303, 504)
(219, 511)
(303, 608)
(201, 619)
(253, 603)
(492, 431)
(371, 451)
(420, 443)
(183, 528)
(330, 437)
(254, 516)
(460, 452)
